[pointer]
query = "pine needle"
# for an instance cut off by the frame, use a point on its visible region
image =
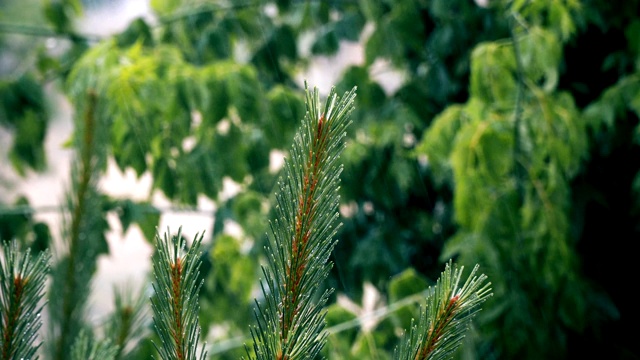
(291, 321)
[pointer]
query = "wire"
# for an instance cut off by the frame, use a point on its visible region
(378, 314)
(41, 31)
(147, 209)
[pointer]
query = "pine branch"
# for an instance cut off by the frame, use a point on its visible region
(126, 324)
(175, 305)
(83, 233)
(449, 312)
(22, 280)
(291, 322)
(85, 347)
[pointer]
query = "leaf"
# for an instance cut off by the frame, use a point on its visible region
(492, 74)
(405, 284)
(249, 211)
(165, 179)
(632, 33)
(244, 93)
(210, 169)
(383, 43)
(339, 343)
(231, 148)
(326, 43)
(481, 169)
(137, 31)
(439, 141)
(286, 110)
(350, 26)
(285, 43)
(57, 14)
(215, 97)
(28, 143)
(405, 20)
(371, 9)
(164, 7)
(23, 111)
(540, 54)
(370, 94)
(216, 43)
(402, 286)
(234, 271)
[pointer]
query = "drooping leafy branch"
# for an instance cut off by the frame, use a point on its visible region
(510, 153)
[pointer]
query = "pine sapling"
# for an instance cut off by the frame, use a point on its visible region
(126, 324)
(86, 347)
(290, 322)
(175, 304)
(22, 281)
(83, 234)
(443, 324)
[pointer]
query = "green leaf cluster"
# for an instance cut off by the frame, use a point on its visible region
(510, 153)
(22, 226)
(23, 110)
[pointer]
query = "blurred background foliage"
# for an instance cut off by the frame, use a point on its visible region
(511, 140)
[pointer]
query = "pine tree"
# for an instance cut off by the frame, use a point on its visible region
(83, 232)
(291, 316)
(86, 347)
(127, 323)
(291, 319)
(449, 310)
(175, 305)
(22, 282)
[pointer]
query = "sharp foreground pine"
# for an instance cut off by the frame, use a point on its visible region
(291, 319)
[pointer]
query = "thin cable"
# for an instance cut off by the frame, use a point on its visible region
(378, 314)
(48, 209)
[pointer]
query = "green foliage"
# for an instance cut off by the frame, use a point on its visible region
(129, 212)
(175, 306)
(86, 347)
(291, 319)
(126, 325)
(152, 122)
(61, 13)
(22, 284)
(449, 311)
(230, 270)
(403, 286)
(23, 111)
(511, 152)
(509, 141)
(21, 226)
(83, 234)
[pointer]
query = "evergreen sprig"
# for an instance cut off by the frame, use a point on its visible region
(22, 281)
(175, 304)
(450, 309)
(86, 347)
(83, 232)
(290, 324)
(126, 324)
